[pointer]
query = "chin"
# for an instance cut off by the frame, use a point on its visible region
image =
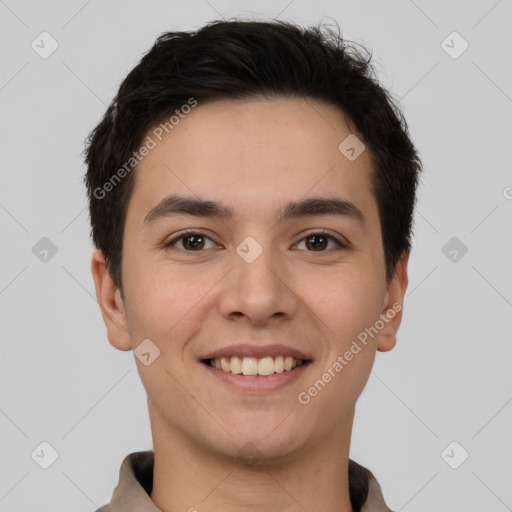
(262, 446)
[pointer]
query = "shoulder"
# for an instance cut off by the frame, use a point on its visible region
(365, 491)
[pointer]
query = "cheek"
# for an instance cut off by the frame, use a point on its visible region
(332, 393)
(161, 296)
(348, 302)
(351, 306)
(168, 307)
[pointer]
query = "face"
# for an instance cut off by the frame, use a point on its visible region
(260, 276)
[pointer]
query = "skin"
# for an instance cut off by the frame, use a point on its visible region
(253, 156)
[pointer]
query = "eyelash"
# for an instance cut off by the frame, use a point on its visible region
(169, 245)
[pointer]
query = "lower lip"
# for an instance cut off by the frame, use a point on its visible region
(257, 383)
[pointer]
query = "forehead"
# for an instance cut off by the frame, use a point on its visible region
(252, 154)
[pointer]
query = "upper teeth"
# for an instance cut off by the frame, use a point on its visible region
(255, 366)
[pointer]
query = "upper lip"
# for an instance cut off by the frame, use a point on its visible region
(257, 351)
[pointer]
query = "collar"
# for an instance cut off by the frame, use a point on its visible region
(136, 482)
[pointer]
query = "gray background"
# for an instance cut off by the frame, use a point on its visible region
(448, 379)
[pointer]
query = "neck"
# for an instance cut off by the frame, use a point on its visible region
(189, 477)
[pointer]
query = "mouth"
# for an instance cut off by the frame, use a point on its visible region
(256, 366)
(250, 369)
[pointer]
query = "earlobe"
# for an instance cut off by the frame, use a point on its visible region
(110, 302)
(391, 313)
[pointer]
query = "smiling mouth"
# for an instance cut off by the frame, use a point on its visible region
(255, 366)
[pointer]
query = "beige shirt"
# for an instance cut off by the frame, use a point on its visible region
(136, 482)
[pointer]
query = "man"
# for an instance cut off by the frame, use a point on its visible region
(251, 191)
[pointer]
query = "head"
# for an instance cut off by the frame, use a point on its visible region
(250, 118)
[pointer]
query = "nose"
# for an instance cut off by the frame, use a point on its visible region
(259, 291)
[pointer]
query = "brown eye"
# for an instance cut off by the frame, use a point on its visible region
(190, 242)
(193, 242)
(318, 242)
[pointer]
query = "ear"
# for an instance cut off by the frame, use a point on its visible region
(111, 303)
(393, 305)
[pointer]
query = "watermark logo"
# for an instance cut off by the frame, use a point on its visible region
(249, 249)
(454, 455)
(44, 45)
(44, 455)
(351, 147)
(249, 454)
(44, 250)
(454, 250)
(454, 45)
(146, 352)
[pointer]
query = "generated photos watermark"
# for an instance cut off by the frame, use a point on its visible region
(341, 361)
(149, 144)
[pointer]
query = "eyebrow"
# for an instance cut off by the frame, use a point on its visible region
(178, 205)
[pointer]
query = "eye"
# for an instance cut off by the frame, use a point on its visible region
(191, 241)
(194, 241)
(318, 241)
